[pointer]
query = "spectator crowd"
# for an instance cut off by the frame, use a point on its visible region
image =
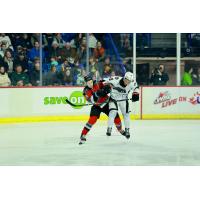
(64, 59)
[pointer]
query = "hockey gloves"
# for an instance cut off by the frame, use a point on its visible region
(135, 96)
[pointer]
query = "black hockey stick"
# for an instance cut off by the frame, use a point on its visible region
(89, 104)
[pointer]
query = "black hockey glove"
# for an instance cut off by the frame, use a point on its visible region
(135, 96)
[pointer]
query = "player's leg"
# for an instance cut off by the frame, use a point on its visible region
(117, 120)
(94, 115)
(124, 107)
(113, 109)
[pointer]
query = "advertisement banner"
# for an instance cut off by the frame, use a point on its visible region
(171, 101)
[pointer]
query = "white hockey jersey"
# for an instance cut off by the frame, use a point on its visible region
(119, 90)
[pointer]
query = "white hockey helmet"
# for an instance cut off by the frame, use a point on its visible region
(129, 76)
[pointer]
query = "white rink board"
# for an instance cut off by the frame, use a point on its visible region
(24, 102)
(43, 101)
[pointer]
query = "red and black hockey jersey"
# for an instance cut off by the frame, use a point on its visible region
(91, 94)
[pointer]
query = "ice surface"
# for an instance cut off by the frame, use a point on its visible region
(152, 142)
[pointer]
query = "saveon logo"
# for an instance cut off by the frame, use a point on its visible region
(75, 97)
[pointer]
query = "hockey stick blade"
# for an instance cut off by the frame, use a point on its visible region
(74, 105)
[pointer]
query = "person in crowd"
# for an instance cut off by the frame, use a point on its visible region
(67, 51)
(92, 41)
(99, 52)
(59, 40)
(25, 41)
(22, 60)
(19, 78)
(196, 76)
(35, 37)
(8, 61)
(107, 68)
(2, 49)
(159, 76)
(80, 78)
(35, 73)
(6, 39)
(187, 76)
(55, 51)
(81, 52)
(35, 51)
(67, 78)
(65, 65)
(52, 77)
(4, 79)
(93, 65)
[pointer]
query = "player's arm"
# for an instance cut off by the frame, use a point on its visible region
(103, 90)
(89, 95)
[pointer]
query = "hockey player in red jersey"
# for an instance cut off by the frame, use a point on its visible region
(98, 94)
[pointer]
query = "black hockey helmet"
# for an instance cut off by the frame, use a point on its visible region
(88, 78)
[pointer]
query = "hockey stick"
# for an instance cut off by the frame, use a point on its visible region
(89, 104)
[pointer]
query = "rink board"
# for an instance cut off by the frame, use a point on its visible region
(38, 104)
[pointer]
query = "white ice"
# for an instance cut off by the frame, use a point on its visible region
(152, 142)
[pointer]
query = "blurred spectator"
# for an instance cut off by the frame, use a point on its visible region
(25, 41)
(99, 52)
(45, 44)
(65, 65)
(127, 64)
(19, 49)
(35, 51)
(76, 42)
(66, 77)
(196, 76)
(92, 41)
(35, 38)
(54, 50)
(5, 39)
(35, 73)
(54, 62)
(8, 60)
(2, 49)
(49, 38)
(22, 60)
(112, 74)
(187, 76)
(92, 65)
(80, 78)
(4, 79)
(107, 69)
(19, 78)
(125, 40)
(52, 77)
(159, 76)
(96, 76)
(59, 40)
(81, 53)
(67, 52)
(195, 39)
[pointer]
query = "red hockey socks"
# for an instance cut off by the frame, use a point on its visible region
(92, 120)
(118, 123)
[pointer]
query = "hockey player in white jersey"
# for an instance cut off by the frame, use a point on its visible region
(121, 87)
